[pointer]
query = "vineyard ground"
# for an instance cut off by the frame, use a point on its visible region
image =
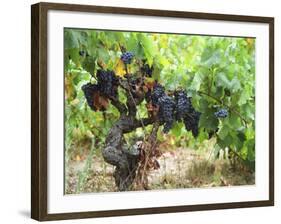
(181, 168)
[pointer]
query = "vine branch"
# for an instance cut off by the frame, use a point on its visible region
(119, 106)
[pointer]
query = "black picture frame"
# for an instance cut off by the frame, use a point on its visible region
(39, 106)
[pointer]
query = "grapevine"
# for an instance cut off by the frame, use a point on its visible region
(191, 88)
(167, 107)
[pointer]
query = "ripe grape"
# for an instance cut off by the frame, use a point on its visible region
(191, 121)
(183, 104)
(107, 86)
(186, 113)
(166, 112)
(127, 57)
(89, 89)
(107, 83)
(158, 91)
(222, 113)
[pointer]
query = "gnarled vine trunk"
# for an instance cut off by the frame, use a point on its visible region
(117, 153)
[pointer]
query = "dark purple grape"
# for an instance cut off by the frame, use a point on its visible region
(185, 112)
(222, 113)
(127, 57)
(89, 89)
(183, 104)
(166, 112)
(158, 91)
(107, 83)
(191, 121)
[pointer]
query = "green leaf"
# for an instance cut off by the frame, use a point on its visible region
(233, 121)
(251, 150)
(89, 64)
(70, 39)
(225, 142)
(208, 120)
(245, 95)
(235, 85)
(203, 135)
(224, 131)
(177, 128)
(148, 48)
(222, 80)
(103, 55)
(72, 54)
(211, 58)
(157, 68)
(248, 111)
(197, 81)
(133, 45)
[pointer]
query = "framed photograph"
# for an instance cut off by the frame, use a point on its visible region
(140, 111)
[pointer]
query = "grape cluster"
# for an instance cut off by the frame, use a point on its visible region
(222, 113)
(107, 86)
(158, 91)
(191, 121)
(186, 113)
(183, 104)
(107, 83)
(89, 90)
(166, 112)
(127, 57)
(165, 104)
(176, 107)
(147, 70)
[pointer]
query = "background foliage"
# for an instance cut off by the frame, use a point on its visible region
(218, 72)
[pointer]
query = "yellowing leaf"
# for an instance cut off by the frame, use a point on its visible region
(69, 87)
(74, 102)
(101, 64)
(149, 83)
(148, 80)
(78, 158)
(89, 134)
(250, 41)
(163, 41)
(76, 133)
(120, 68)
(164, 61)
(172, 141)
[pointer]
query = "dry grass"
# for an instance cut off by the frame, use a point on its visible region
(181, 168)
